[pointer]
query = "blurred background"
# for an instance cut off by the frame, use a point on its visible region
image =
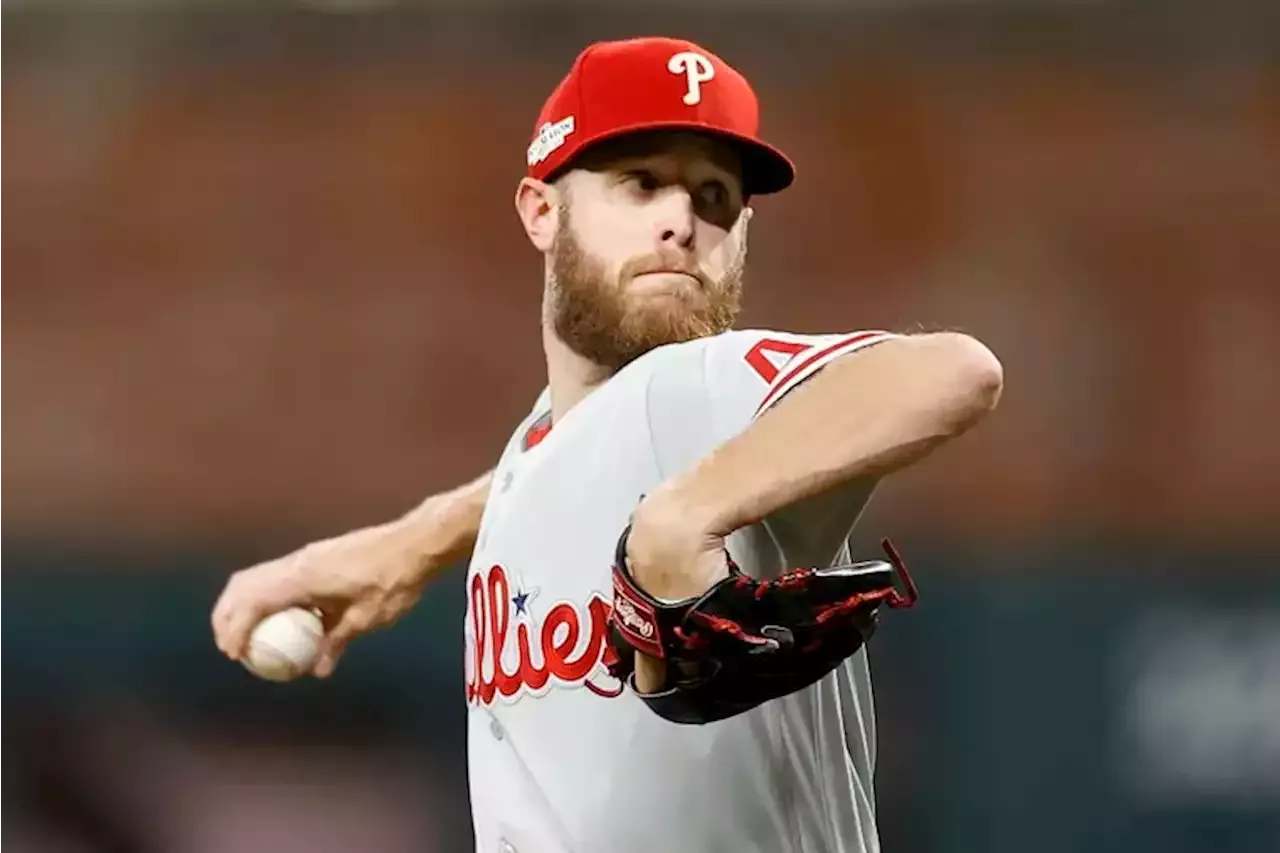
(266, 285)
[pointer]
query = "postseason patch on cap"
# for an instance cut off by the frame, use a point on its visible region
(550, 137)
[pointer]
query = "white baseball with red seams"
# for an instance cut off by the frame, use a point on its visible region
(561, 756)
(285, 645)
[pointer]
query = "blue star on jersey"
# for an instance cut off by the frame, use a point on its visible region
(521, 601)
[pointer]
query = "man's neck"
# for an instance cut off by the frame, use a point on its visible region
(570, 376)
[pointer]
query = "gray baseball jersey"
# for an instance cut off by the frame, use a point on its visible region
(561, 756)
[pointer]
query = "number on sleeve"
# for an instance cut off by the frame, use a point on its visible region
(763, 355)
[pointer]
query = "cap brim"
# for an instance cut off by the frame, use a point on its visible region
(765, 169)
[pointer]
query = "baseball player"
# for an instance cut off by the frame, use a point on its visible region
(671, 463)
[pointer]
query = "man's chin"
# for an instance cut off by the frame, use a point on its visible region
(646, 324)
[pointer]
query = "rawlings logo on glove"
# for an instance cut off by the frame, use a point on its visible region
(640, 631)
(743, 641)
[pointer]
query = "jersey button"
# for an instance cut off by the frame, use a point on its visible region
(495, 729)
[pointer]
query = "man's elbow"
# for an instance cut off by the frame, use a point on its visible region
(972, 376)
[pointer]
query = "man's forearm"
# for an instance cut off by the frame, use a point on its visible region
(443, 528)
(867, 414)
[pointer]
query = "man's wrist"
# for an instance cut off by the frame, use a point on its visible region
(673, 554)
(423, 534)
(443, 528)
(678, 502)
(707, 496)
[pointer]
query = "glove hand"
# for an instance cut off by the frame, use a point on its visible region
(672, 558)
(718, 650)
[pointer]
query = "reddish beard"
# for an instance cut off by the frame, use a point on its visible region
(595, 316)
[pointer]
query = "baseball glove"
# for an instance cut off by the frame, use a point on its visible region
(744, 641)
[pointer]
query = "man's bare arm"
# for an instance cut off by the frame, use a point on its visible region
(445, 525)
(868, 414)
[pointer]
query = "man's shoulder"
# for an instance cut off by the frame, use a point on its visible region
(711, 371)
(737, 355)
(736, 342)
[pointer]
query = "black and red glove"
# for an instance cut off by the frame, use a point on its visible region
(744, 642)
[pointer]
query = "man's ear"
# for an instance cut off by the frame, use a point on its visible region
(538, 206)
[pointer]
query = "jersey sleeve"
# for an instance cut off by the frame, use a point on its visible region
(750, 372)
(708, 391)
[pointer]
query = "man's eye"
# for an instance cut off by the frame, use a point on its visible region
(643, 180)
(713, 194)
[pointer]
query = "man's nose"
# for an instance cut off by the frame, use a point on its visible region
(676, 218)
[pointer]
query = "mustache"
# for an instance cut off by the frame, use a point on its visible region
(664, 263)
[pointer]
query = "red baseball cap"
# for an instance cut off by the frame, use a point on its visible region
(620, 87)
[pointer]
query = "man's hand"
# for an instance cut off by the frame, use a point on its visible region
(672, 557)
(360, 582)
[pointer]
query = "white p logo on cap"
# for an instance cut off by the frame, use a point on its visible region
(697, 70)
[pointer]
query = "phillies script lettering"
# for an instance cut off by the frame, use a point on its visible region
(563, 647)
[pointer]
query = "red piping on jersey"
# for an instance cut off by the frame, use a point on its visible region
(851, 342)
(537, 431)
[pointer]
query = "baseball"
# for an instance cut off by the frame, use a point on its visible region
(285, 645)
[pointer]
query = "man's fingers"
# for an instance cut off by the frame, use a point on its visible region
(251, 595)
(650, 673)
(218, 619)
(228, 612)
(235, 638)
(354, 622)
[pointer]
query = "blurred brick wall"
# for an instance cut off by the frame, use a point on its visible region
(293, 294)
